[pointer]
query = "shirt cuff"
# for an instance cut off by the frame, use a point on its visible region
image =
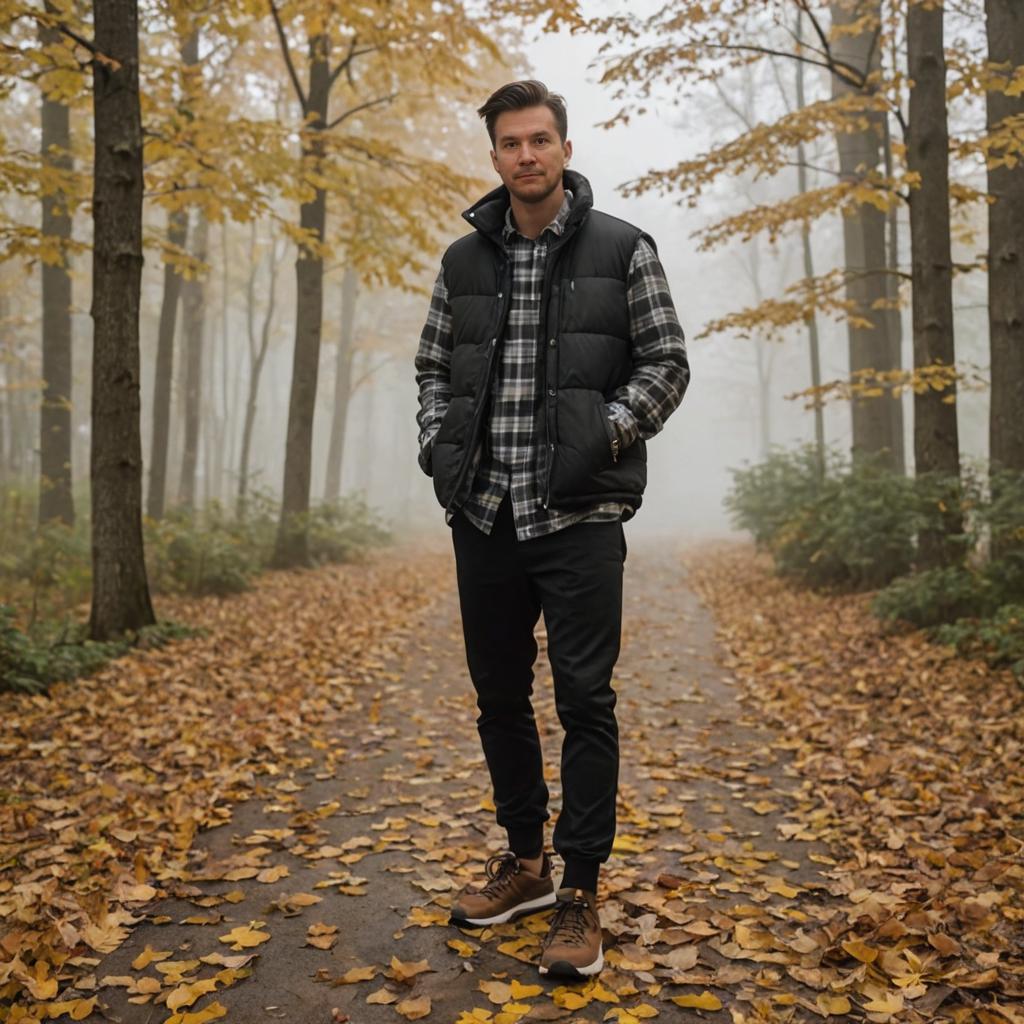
(426, 449)
(624, 423)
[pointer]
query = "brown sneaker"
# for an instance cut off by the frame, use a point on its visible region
(572, 946)
(511, 890)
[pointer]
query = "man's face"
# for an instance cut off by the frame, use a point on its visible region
(528, 155)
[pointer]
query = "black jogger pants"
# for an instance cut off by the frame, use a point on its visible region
(574, 576)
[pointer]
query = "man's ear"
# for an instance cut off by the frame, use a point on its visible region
(494, 160)
(568, 150)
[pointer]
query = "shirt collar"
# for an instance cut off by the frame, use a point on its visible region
(557, 225)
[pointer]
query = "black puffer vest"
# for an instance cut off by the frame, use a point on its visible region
(584, 353)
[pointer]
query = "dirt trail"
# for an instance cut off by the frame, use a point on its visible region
(401, 818)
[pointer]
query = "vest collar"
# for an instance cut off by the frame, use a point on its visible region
(487, 214)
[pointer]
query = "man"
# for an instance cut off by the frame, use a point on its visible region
(550, 354)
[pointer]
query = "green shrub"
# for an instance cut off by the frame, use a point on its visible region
(937, 596)
(49, 652)
(998, 638)
(344, 530)
(856, 526)
(853, 528)
(205, 554)
(765, 497)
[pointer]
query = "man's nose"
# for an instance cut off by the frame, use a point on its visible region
(526, 155)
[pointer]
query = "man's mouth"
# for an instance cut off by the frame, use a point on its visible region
(532, 174)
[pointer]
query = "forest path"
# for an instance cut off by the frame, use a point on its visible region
(394, 823)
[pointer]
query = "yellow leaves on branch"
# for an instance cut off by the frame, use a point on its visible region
(774, 218)
(871, 383)
(762, 151)
(803, 299)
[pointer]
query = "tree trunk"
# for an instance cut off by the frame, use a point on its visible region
(120, 590)
(258, 354)
(893, 312)
(808, 257)
(292, 546)
(193, 301)
(877, 423)
(342, 385)
(163, 372)
(936, 442)
(55, 499)
(1005, 25)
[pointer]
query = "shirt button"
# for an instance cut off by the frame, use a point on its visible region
(551, 392)
(500, 294)
(494, 341)
(552, 342)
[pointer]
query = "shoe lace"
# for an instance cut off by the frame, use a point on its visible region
(569, 924)
(500, 869)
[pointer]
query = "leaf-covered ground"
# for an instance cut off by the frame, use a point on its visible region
(270, 821)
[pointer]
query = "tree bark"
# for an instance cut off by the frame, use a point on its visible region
(120, 589)
(342, 385)
(257, 356)
(814, 348)
(163, 371)
(936, 440)
(292, 547)
(55, 498)
(877, 423)
(193, 303)
(1005, 26)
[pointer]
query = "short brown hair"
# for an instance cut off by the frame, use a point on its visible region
(518, 96)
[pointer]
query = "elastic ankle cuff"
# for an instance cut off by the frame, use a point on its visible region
(526, 842)
(581, 874)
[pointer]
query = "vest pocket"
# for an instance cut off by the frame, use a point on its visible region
(583, 447)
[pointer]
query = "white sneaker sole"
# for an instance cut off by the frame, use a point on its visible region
(562, 968)
(541, 903)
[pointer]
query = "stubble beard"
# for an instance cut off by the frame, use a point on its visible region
(532, 198)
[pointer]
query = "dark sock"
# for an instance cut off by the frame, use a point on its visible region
(527, 843)
(581, 874)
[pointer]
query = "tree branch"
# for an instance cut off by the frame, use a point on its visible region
(361, 106)
(303, 103)
(837, 67)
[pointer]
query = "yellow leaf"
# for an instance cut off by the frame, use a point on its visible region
(780, 888)
(462, 948)
(402, 971)
(521, 991)
(382, 995)
(628, 844)
(212, 1012)
(705, 1001)
(424, 916)
(273, 874)
(837, 1006)
(497, 992)
(244, 937)
(304, 899)
(186, 995)
(354, 974)
(889, 1002)
(602, 994)
(860, 950)
(414, 1008)
(148, 956)
(568, 999)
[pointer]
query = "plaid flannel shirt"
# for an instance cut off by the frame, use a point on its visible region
(509, 457)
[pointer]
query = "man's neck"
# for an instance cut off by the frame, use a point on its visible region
(532, 218)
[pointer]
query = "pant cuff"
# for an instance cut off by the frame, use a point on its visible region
(581, 874)
(526, 842)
